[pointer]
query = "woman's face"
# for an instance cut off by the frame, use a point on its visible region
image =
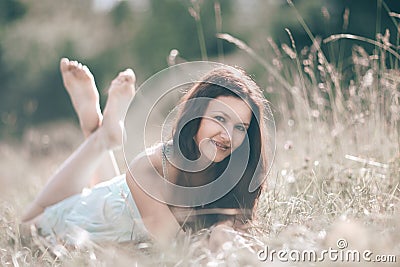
(223, 127)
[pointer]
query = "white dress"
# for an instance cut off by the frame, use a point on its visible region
(106, 212)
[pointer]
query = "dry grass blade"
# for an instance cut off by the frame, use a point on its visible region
(243, 46)
(395, 15)
(336, 37)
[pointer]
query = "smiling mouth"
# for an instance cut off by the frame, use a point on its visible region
(220, 145)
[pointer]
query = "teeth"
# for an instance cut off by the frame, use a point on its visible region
(220, 145)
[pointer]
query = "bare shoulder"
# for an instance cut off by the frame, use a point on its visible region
(155, 156)
(150, 159)
(144, 172)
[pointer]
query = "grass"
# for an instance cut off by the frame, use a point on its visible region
(335, 175)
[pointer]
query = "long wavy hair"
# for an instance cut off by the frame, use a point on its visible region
(223, 82)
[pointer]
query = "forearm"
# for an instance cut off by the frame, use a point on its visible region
(225, 231)
(220, 234)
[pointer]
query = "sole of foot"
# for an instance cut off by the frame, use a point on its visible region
(81, 87)
(120, 95)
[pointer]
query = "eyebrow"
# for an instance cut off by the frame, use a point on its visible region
(229, 117)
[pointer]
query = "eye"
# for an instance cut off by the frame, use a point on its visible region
(241, 128)
(219, 118)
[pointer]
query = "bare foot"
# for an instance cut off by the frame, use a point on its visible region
(80, 85)
(120, 95)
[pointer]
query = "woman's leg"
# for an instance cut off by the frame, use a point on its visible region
(81, 87)
(75, 173)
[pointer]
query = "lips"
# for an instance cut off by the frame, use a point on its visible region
(220, 145)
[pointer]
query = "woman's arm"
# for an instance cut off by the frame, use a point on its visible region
(156, 215)
(229, 230)
(220, 234)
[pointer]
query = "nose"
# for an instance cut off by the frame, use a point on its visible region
(225, 134)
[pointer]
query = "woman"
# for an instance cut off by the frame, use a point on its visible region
(219, 132)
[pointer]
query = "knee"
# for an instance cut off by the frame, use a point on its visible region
(33, 211)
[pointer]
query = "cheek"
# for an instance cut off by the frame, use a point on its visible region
(204, 131)
(208, 128)
(238, 139)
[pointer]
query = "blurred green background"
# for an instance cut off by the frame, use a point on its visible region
(110, 35)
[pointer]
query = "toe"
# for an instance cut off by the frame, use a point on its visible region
(128, 75)
(87, 71)
(128, 78)
(129, 71)
(64, 64)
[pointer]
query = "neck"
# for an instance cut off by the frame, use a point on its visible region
(200, 178)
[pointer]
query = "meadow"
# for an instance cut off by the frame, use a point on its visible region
(335, 175)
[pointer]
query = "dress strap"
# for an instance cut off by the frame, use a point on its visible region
(164, 161)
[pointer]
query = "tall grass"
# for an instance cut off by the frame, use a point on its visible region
(338, 134)
(336, 173)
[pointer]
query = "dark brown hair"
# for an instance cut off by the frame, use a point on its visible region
(224, 81)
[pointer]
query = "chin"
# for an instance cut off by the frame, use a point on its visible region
(219, 158)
